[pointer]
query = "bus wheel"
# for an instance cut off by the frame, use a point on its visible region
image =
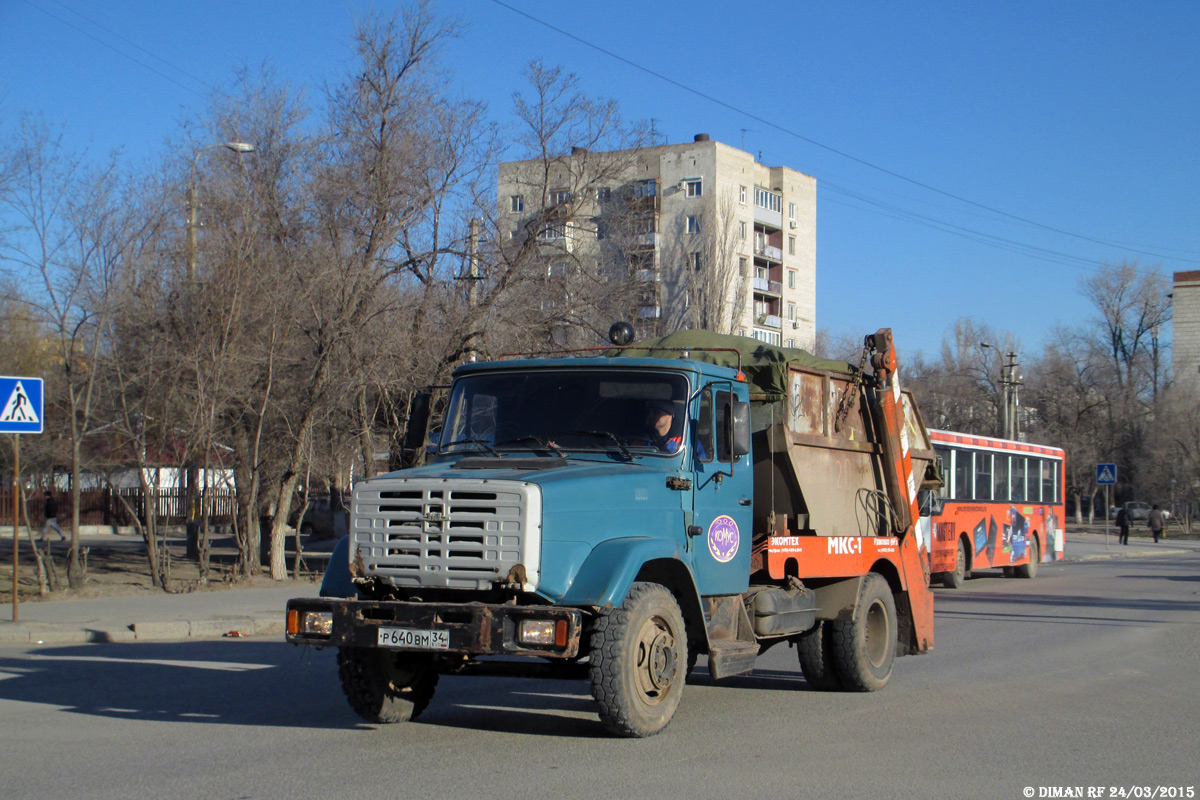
(1035, 555)
(865, 646)
(815, 651)
(639, 662)
(384, 686)
(955, 578)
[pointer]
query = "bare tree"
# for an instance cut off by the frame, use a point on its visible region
(68, 233)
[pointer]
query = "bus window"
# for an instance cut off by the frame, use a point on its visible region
(1017, 492)
(963, 484)
(943, 462)
(983, 476)
(1050, 493)
(1000, 478)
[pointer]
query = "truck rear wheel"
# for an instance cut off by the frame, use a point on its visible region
(955, 578)
(1035, 555)
(865, 646)
(639, 662)
(384, 686)
(815, 651)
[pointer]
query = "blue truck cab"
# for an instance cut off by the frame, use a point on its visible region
(592, 516)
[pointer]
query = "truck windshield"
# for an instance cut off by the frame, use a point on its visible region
(558, 410)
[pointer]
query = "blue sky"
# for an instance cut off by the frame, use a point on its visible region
(1077, 120)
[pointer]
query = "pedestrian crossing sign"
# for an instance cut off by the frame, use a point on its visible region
(22, 409)
(1106, 474)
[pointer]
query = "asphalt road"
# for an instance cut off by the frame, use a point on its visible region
(1084, 677)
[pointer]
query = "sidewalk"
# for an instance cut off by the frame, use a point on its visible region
(151, 616)
(260, 611)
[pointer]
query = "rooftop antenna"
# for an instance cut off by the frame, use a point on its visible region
(744, 132)
(653, 131)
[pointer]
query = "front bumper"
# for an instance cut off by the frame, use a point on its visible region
(474, 629)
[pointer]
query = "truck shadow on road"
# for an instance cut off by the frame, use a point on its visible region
(229, 683)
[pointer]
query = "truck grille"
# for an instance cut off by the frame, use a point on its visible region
(456, 533)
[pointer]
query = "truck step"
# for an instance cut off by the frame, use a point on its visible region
(729, 657)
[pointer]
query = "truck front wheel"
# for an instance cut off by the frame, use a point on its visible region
(385, 686)
(815, 651)
(865, 646)
(639, 661)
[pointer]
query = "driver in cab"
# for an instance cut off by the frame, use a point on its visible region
(660, 419)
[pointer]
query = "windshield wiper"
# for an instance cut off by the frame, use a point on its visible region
(481, 442)
(607, 435)
(545, 444)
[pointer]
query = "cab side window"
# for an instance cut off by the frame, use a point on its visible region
(704, 428)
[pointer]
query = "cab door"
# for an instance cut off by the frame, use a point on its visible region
(723, 488)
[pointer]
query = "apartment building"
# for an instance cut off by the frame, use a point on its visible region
(1185, 326)
(709, 237)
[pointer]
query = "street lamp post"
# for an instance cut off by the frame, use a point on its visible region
(194, 205)
(193, 536)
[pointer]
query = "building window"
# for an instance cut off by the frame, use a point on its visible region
(791, 279)
(696, 261)
(645, 189)
(693, 224)
(693, 187)
(742, 195)
(742, 229)
(560, 197)
(553, 232)
(791, 342)
(603, 194)
(791, 312)
(516, 204)
(742, 266)
(791, 210)
(791, 245)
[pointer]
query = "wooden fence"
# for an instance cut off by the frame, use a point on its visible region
(105, 506)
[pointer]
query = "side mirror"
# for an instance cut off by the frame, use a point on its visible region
(740, 423)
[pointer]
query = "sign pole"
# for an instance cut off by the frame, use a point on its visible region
(1107, 513)
(16, 515)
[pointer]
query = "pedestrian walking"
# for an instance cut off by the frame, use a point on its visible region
(50, 512)
(1156, 522)
(1123, 525)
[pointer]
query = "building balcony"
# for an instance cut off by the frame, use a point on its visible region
(651, 312)
(648, 276)
(768, 252)
(646, 240)
(769, 321)
(765, 285)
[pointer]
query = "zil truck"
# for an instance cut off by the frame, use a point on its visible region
(613, 514)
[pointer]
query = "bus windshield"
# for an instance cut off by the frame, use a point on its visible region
(642, 413)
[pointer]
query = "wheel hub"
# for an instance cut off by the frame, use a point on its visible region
(657, 659)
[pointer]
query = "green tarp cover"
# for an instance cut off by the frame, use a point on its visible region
(765, 365)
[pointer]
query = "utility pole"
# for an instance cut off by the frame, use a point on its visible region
(1010, 382)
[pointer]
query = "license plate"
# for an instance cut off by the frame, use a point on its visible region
(414, 639)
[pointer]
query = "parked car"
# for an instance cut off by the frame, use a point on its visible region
(1137, 511)
(318, 521)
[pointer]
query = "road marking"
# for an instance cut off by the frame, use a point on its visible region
(220, 666)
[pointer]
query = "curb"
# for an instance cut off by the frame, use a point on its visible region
(25, 633)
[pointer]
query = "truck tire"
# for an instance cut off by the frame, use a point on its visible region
(1035, 556)
(384, 686)
(815, 651)
(956, 577)
(864, 647)
(639, 661)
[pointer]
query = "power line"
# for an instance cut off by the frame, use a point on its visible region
(830, 149)
(119, 51)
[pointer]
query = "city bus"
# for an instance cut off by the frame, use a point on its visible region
(1001, 505)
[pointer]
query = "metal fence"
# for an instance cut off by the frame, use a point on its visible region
(105, 506)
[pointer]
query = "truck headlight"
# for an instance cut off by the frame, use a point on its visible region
(543, 632)
(310, 623)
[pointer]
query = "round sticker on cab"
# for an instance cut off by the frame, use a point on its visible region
(723, 538)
